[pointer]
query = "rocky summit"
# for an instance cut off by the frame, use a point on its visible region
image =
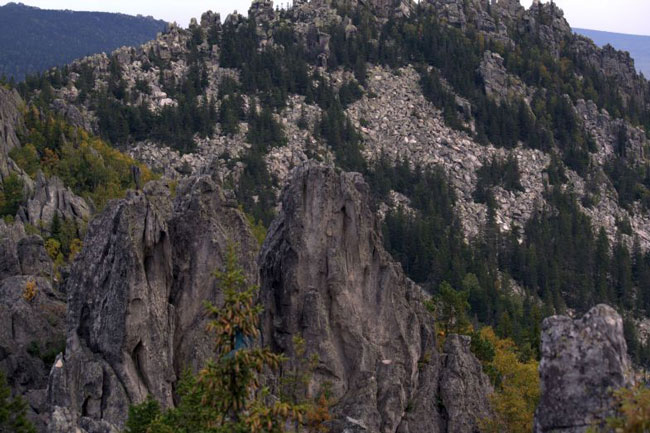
(405, 217)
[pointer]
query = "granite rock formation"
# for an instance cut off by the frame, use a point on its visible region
(32, 316)
(135, 315)
(583, 361)
(326, 277)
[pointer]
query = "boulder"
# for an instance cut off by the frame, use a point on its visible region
(583, 360)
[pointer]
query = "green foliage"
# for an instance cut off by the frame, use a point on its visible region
(631, 183)
(450, 308)
(633, 410)
(497, 173)
(555, 171)
(11, 195)
(428, 242)
(86, 164)
(227, 395)
(141, 416)
(434, 91)
(46, 352)
(342, 137)
(349, 93)
(13, 411)
(231, 111)
(27, 158)
(257, 227)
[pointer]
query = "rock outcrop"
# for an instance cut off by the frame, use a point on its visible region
(326, 277)
(10, 123)
(135, 315)
(499, 84)
(32, 316)
(50, 198)
(582, 361)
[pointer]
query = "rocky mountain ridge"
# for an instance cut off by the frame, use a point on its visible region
(514, 208)
(134, 292)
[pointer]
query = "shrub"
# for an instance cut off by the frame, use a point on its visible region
(30, 291)
(226, 395)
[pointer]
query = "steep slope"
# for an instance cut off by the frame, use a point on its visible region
(136, 320)
(11, 122)
(33, 40)
(42, 221)
(496, 142)
(327, 278)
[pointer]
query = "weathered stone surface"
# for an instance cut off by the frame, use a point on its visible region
(499, 84)
(10, 124)
(33, 258)
(32, 317)
(326, 276)
(119, 322)
(204, 223)
(582, 361)
(32, 313)
(50, 198)
(462, 376)
(136, 319)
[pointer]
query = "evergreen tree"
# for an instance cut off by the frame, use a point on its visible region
(13, 411)
(11, 195)
(227, 395)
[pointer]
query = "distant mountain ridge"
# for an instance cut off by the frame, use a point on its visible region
(33, 39)
(638, 46)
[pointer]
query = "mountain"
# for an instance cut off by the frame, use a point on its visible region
(637, 46)
(33, 40)
(434, 199)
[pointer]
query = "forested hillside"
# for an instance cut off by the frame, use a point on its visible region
(33, 40)
(503, 159)
(554, 216)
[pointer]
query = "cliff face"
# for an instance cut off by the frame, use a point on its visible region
(326, 277)
(10, 124)
(583, 361)
(135, 313)
(136, 319)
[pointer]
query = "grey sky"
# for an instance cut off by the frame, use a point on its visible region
(623, 16)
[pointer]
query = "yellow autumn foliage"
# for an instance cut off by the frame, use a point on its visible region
(30, 291)
(516, 390)
(633, 411)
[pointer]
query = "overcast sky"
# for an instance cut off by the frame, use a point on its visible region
(622, 16)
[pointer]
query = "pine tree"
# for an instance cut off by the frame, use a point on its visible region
(13, 411)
